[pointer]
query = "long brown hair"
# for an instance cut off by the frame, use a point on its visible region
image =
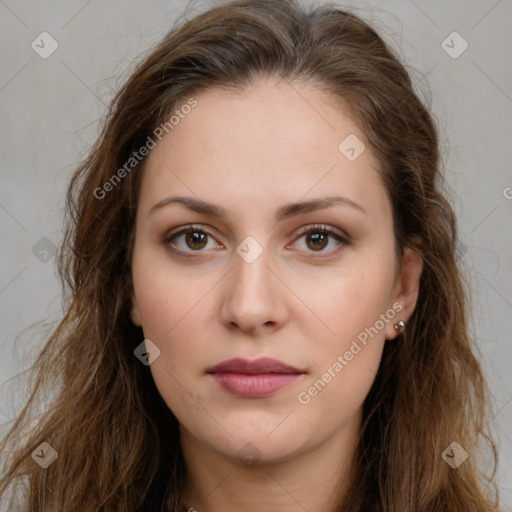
(117, 441)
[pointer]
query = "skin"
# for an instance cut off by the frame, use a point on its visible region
(302, 302)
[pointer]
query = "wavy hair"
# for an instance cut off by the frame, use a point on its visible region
(117, 441)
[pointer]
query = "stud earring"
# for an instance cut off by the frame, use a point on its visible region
(400, 326)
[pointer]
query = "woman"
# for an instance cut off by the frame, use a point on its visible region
(265, 308)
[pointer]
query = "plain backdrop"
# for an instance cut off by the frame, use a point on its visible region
(459, 55)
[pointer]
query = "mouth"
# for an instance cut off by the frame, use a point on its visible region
(253, 379)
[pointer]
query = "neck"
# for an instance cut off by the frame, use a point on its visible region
(316, 480)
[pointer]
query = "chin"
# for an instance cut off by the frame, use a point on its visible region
(260, 445)
(253, 452)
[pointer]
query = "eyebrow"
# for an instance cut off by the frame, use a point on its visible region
(288, 210)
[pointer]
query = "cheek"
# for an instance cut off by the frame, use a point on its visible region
(168, 321)
(346, 357)
(338, 393)
(165, 296)
(172, 309)
(348, 343)
(349, 302)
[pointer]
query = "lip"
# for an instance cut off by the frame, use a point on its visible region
(258, 366)
(253, 379)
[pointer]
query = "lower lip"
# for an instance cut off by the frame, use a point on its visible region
(254, 386)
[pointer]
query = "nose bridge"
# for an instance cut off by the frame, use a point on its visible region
(251, 275)
(251, 296)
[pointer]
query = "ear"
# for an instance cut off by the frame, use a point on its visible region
(406, 289)
(135, 312)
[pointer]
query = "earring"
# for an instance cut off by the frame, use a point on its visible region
(400, 326)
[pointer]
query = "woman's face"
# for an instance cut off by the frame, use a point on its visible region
(260, 278)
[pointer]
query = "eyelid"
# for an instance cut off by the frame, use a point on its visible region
(187, 229)
(324, 228)
(341, 237)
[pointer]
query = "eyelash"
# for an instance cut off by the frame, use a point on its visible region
(318, 228)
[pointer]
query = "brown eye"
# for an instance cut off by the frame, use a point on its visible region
(196, 240)
(189, 239)
(317, 241)
(318, 238)
(192, 239)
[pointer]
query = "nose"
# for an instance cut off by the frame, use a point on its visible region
(253, 296)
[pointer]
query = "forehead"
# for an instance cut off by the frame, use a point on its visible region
(274, 142)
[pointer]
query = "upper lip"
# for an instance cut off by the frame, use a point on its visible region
(257, 366)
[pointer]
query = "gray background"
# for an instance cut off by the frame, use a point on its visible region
(49, 113)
